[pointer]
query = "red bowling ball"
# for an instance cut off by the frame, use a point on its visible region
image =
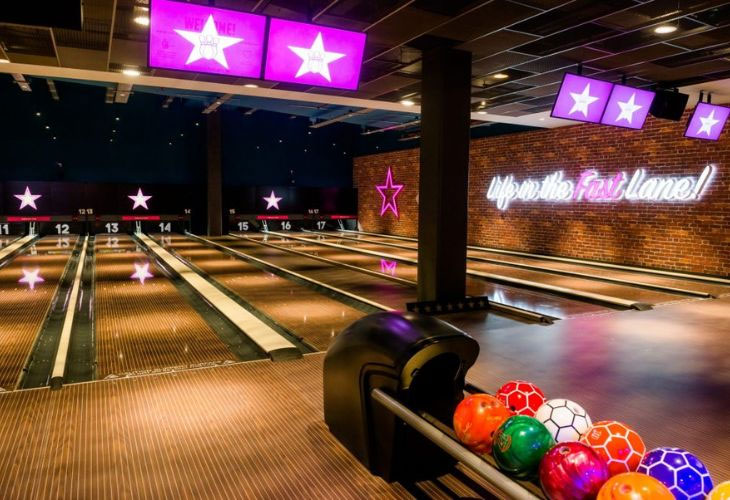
(572, 471)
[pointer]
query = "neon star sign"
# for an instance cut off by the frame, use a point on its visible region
(389, 192)
(591, 186)
(388, 266)
(27, 199)
(272, 201)
(139, 199)
(31, 278)
(707, 121)
(141, 272)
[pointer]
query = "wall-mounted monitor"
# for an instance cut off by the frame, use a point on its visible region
(707, 121)
(582, 99)
(627, 107)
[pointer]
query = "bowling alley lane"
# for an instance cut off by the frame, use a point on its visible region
(542, 303)
(575, 267)
(142, 321)
(582, 284)
(307, 314)
(28, 284)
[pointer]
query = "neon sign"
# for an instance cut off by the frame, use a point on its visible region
(139, 199)
(590, 186)
(389, 192)
(388, 266)
(27, 199)
(272, 201)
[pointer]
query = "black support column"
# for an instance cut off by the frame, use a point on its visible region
(442, 212)
(215, 189)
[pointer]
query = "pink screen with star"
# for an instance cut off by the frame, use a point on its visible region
(202, 39)
(313, 55)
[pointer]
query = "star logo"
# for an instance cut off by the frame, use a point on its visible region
(388, 266)
(208, 44)
(272, 201)
(582, 101)
(628, 109)
(31, 278)
(140, 200)
(389, 192)
(141, 272)
(27, 199)
(708, 122)
(315, 59)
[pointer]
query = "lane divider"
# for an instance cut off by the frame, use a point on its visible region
(498, 306)
(595, 297)
(268, 339)
(294, 274)
(15, 245)
(594, 263)
(550, 270)
(59, 364)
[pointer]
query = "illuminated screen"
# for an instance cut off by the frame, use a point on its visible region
(627, 107)
(707, 121)
(581, 99)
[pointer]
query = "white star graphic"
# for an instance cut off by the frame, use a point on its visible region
(628, 108)
(31, 278)
(208, 44)
(140, 200)
(315, 59)
(27, 199)
(708, 122)
(142, 272)
(272, 201)
(582, 101)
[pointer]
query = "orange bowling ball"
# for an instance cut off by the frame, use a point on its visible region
(634, 486)
(616, 443)
(475, 420)
(721, 492)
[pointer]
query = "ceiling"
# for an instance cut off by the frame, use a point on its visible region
(531, 42)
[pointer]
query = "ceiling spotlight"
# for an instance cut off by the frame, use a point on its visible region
(131, 72)
(251, 86)
(47, 127)
(407, 102)
(38, 113)
(500, 76)
(664, 29)
(142, 20)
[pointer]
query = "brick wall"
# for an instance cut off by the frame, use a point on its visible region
(691, 236)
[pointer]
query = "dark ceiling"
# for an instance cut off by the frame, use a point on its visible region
(532, 42)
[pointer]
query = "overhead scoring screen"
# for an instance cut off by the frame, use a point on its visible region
(191, 37)
(707, 121)
(582, 99)
(314, 55)
(627, 107)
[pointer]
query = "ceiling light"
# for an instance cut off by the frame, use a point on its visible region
(664, 29)
(4, 60)
(142, 20)
(500, 76)
(407, 102)
(542, 119)
(131, 72)
(481, 112)
(251, 86)
(38, 113)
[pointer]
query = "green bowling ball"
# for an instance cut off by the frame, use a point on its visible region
(519, 445)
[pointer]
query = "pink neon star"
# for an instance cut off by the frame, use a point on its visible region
(389, 202)
(388, 266)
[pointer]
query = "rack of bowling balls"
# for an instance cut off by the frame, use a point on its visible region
(554, 442)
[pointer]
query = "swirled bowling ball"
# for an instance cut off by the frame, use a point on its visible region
(475, 420)
(634, 486)
(721, 492)
(519, 445)
(616, 443)
(521, 397)
(680, 471)
(572, 471)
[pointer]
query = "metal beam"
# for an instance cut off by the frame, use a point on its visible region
(52, 89)
(340, 118)
(217, 103)
(22, 83)
(325, 9)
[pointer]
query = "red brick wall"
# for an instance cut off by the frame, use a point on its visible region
(691, 236)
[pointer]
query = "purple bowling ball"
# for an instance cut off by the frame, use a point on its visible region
(680, 471)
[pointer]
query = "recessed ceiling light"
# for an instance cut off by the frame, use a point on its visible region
(500, 76)
(251, 86)
(38, 113)
(142, 20)
(4, 60)
(131, 72)
(407, 102)
(481, 112)
(542, 119)
(47, 127)
(664, 29)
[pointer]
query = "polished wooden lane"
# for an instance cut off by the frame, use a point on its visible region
(25, 305)
(314, 317)
(664, 372)
(142, 322)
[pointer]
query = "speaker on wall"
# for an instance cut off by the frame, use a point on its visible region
(669, 105)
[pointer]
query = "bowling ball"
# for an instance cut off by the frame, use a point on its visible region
(721, 492)
(680, 471)
(572, 471)
(475, 420)
(522, 398)
(519, 444)
(565, 419)
(617, 444)
(634, 486)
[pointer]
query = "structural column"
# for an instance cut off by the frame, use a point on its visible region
(215, 189)
(444, 174)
